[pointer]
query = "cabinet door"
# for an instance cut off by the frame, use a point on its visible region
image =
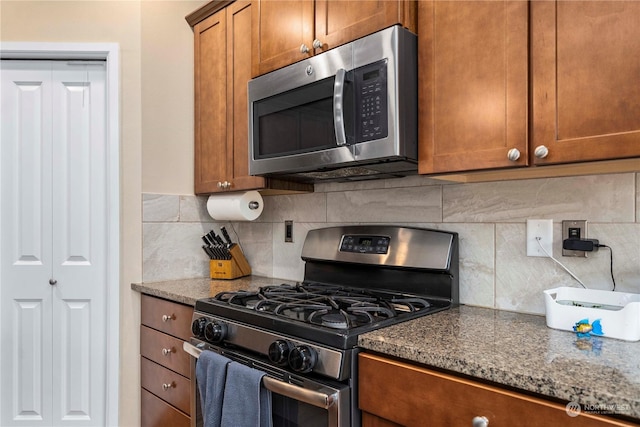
(585, 69)
(339, 22)
(472, 84)
(279, 29)
(239, 56)
(210, 103)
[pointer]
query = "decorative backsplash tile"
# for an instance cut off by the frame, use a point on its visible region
(489, 217)
(601, 198)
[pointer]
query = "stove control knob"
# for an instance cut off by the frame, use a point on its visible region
(302, 359)
(279, 352)
(215, 332)
(197, 327)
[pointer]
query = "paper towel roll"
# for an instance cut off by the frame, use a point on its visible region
(235, 207)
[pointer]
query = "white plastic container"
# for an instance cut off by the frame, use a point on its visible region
(593, 312)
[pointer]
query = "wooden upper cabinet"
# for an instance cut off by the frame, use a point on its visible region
(339, 22)
(222, 70)
(239, 57)
(284, 32)
(585, 59)
(473, 82)
(210, 81)
(280, 28)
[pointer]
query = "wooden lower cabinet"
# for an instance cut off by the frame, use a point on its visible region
(394, 393)
(165, 369)
(156, 412)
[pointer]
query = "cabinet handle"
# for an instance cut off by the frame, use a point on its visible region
(317, 44)
(167, 351)
(304, 48)
(513, 154)
(480, 422)
(224, 185)
(167, 317)
(541, 152)
(166, 386)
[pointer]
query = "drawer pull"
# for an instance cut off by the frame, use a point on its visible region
(166, 386)
(167, 351)
(167, 317)
(480, 422)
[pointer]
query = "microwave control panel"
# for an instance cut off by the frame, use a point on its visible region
(371, 101)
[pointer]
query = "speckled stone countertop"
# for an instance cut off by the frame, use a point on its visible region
(519, 350)
(511, 349)
(187, 291)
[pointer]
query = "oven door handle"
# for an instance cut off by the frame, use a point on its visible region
(314, 398)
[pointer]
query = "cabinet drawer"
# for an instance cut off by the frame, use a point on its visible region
(403, 393)
(164, 350)
(158, 413)
(166, 316)
(166, 384)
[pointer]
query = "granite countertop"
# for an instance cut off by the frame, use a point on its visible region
(512, 349)
(187, 291)
(519, 350)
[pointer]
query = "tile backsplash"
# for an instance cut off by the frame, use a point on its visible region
(489, 217)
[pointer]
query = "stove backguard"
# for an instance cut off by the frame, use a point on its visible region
(416, 260)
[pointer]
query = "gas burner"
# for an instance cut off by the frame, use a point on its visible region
(409, 304)
(337, 320)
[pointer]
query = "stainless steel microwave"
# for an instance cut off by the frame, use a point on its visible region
(346, 114)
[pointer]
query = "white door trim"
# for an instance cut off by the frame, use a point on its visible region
(111, 53)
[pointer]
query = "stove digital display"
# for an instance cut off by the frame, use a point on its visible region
(365, 244)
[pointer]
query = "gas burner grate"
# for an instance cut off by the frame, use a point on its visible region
(331, 306)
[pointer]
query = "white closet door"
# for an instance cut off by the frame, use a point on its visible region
(54, 237)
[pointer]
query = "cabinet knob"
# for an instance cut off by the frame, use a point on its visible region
(480, 422)
(317, 44)
(53, 282)
(167, 317)
(166, 386)
(224, 185)
(304, 48)
(541, 152)
(167, 351)
(513, 154)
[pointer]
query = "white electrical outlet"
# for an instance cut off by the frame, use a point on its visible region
(543, 229)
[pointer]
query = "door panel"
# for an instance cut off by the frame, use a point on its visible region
(79, 241)
(30, 382)
(25, 247)
(75, 369)
(53, 165)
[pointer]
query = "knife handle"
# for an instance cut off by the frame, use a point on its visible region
(226, 235)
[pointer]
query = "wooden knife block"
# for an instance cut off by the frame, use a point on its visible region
(237, 266)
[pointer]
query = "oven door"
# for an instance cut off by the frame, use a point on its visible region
(296, 401)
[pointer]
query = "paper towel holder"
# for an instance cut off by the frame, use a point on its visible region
(253, 205)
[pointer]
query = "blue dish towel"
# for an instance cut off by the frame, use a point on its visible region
(211, 375)
(246, 402)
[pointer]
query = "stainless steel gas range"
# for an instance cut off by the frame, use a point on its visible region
(304, 336)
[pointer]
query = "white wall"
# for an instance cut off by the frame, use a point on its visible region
(156, 107)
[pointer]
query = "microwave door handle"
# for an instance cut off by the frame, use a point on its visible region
(338, 105)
